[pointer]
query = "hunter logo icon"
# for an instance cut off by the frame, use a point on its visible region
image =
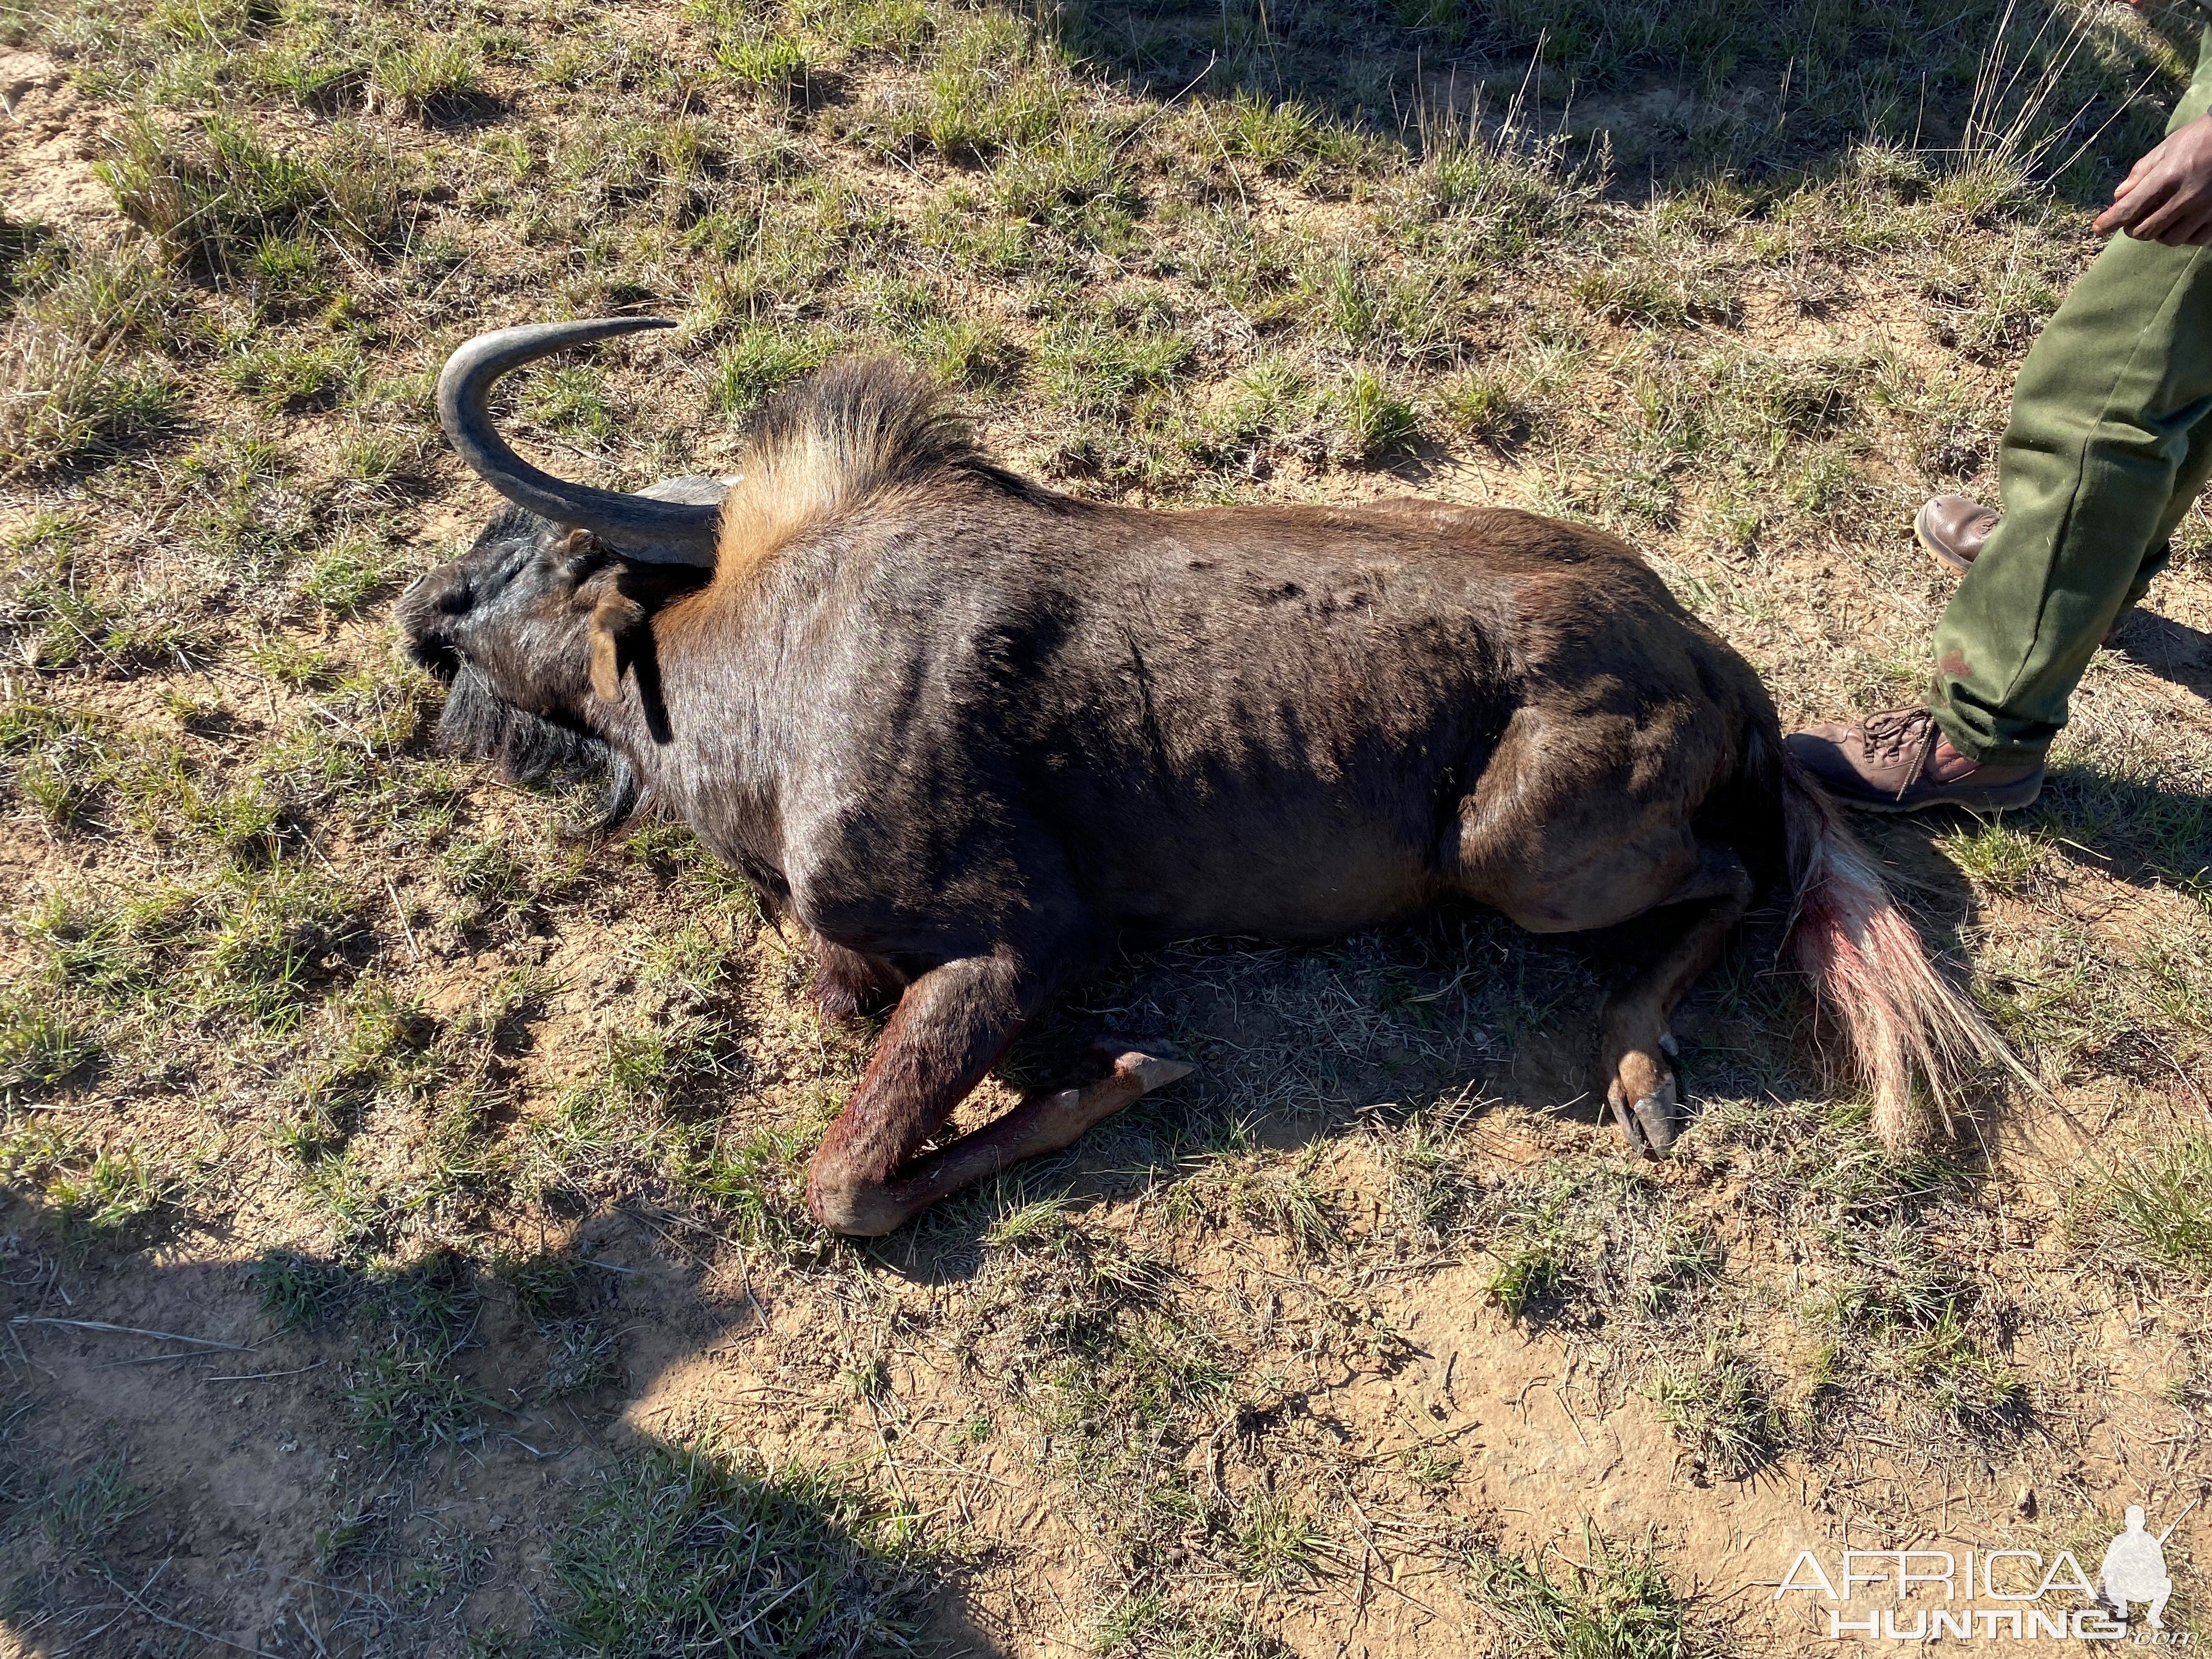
(1988, 1594)
(2134, 1569)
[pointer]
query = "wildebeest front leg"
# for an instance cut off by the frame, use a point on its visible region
(1634, 1039)
(1041, 1124)
(950, 1026)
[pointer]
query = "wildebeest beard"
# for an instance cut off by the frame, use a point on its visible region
(480, 723)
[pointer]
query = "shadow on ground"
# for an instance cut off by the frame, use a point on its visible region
(429, 1441)
(1705, 88)
(434, 1456)
(2171, 650)
(447, 1428)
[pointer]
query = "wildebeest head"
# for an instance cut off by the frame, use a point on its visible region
(547, 608)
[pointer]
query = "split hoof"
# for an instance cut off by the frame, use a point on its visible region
(1650, 1122)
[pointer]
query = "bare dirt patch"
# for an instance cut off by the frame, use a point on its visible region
(52, 139)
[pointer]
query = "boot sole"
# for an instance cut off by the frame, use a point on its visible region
(2010, 798)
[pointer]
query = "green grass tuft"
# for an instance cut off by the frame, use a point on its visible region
(1378, 421)
(285, 377)
(115, 1189)
(1527, 1282)
(407, 1398)
(80, 375)
(757, 362)
(429, 78)
(82, 1514)
(1614, 1603)
(214, 193)
(1722, 1408)
(766, 59)
(2153, 1204)
(690, 1548)
(297, 1291)
(348, 574)
(41, 1048)
(1276, 1543)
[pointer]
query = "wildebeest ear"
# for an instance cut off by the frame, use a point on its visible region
(616, 620)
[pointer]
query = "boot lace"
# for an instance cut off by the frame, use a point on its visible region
(1889, 735)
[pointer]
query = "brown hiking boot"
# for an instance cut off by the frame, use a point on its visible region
(1899, 762)
(1952, 529)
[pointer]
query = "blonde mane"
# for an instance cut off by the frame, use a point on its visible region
(825, 447)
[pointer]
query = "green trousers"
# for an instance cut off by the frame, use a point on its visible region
(2109, 443)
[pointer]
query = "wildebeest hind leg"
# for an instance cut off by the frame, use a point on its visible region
(1633, 1037)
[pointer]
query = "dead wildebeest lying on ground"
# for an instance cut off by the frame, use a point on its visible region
(973, 734)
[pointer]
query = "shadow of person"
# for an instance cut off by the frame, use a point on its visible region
(2145, 831)
(2169, 649)
(457, 1424)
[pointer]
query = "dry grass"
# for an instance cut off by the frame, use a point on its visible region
(488, 1142)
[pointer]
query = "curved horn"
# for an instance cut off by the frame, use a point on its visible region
(665, 531)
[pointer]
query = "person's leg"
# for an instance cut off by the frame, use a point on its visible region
(2188, 485)
(2094, 460)
(2100, 460)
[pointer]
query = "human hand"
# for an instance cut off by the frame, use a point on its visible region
(2166, 196)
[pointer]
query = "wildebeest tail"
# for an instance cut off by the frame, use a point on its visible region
(1901, 1019)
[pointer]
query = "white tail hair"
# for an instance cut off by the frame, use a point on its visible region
(1900, 1017)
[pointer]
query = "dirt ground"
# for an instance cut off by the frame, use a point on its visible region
(402, 1250)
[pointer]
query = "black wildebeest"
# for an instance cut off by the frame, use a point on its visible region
(973, 734)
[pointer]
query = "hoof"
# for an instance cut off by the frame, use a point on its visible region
(1152, 1071)
(1648, 1122)
(1148, 1064)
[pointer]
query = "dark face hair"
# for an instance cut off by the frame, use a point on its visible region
(506, 627)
